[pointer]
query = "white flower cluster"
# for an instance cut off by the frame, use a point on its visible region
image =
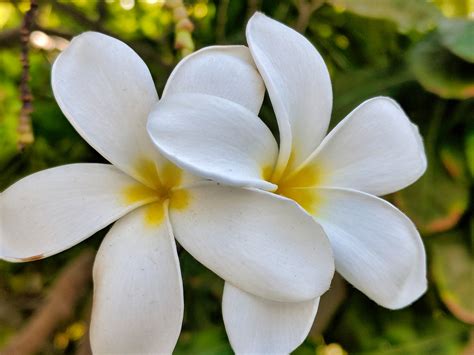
(199, 166)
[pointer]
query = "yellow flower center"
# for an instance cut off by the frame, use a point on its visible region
(163, 185)
(298, 186)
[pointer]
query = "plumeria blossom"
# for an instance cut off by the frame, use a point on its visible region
(336, 178)
(257, 241)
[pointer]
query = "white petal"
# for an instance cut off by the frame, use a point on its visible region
(260, 242)
(214, 138)
(375, 149)
(258, 326)
(298, 83)
(138, 294)
(376, 247)
(54, 209)
(107, 92)
(225, 71)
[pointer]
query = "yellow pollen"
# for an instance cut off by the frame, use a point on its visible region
(300, 187)
(154, 214)
(309, 176)
(179, 199)
(171, 175)
(138, 192)
(165, 183)
(305, 197)
(146, 169)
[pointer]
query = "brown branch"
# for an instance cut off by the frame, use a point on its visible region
(25, 130)
(11, 37)
(58, 307)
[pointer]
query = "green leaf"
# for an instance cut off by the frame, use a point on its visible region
(457, 35)
(470, 149)
(366, 328)
(441, 72)
(454, 8)
(436, 202)
(9, 112)
(369, 82)
(419, 15)
(453, 160)
(453, 272)
(211, 341)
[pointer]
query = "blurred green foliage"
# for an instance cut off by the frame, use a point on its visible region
(419, 52)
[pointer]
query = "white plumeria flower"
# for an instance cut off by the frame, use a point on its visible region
(374, 151)
(260, 242)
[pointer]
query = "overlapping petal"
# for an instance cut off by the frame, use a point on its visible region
(298, 83)
(375, 149)
(376, 247)
(225, 71)
(260, 242)
(258, 326)
(54, 209)
(214, 138)
(106, 91)
(138, 294)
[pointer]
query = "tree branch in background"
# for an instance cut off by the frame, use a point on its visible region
(58, 307)
(25, 131)
(305, 9)
(183, 40)
(11, 37)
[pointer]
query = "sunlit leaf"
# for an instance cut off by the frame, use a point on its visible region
(453, 272)
(407, 14)
(436, 202)
(453, 160)
(454, 8)
(10, 105)
(470, 149)
(352, 88)
(441, 72)
(366, 328)
(458, 36)
(211, 341)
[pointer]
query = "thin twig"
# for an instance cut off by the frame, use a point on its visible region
(25, 130)
(11, 37)
(57, 308)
